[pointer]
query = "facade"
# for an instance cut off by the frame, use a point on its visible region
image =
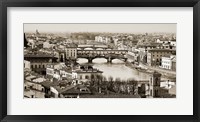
(71, 51)
(142, 55)
(27, 64)
(154, 56)
(174, 64)
(102, 39)
(39, 62)
(167, 61)
(161, 41)
(167, 44)
(85, 73)
(134, 56)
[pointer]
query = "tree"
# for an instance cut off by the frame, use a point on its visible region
(110, 78)
(25, 41)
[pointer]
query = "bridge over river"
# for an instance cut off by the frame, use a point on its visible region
(93, 47)
(107, 54)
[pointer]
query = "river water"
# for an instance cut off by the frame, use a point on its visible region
(116, 69)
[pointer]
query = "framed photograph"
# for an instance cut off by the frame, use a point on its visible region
(129, 60)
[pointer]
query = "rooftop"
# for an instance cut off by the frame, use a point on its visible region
(38, 54)
(48, 84)
(76, 90)
(72, 45)
(161, 50)
(167, 55)
(89, 71)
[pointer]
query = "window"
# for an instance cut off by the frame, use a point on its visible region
(80, 76)
(36, 66)
(86, 77)
(156, 81)
(32, 67)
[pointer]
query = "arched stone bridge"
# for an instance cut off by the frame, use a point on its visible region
(92, 46)
(107, 54)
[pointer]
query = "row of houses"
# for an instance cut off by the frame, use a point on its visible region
(60, 81)
(160, 53)
(69, 82)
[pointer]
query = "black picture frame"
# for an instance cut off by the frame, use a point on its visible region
(4, 4)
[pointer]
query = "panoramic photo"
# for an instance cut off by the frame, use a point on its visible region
(99, 60)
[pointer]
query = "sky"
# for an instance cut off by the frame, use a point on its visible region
(113, 28)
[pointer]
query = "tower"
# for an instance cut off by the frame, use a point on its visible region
(37, 32)
(155, 84)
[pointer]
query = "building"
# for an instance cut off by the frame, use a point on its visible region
(102, 39)
(34, 84)
(167, 61)
(154, 56)
(27, 64)
(149, 46)
(39, 61)
(142, 55)
(168, 89)
(49, 90)
(161, 41)
(33, 87)
(86, 72)
(48, 45)
(155, 88)
(133, 56)
(71, 51)
(173, 42)
(167, 84)
(174, 64)
(154, 83)
(64, 90)
(60, 72)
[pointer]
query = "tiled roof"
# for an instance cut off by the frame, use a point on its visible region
(161, 50)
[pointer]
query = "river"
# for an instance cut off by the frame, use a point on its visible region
(116, 69)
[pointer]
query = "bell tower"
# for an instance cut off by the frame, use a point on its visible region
(155, 84)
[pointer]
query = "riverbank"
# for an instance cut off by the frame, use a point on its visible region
(149, 70)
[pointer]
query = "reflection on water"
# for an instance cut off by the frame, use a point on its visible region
(117, 69)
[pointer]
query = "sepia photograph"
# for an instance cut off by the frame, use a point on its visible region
(99, 60)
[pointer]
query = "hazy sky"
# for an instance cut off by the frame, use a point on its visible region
(115, 28)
